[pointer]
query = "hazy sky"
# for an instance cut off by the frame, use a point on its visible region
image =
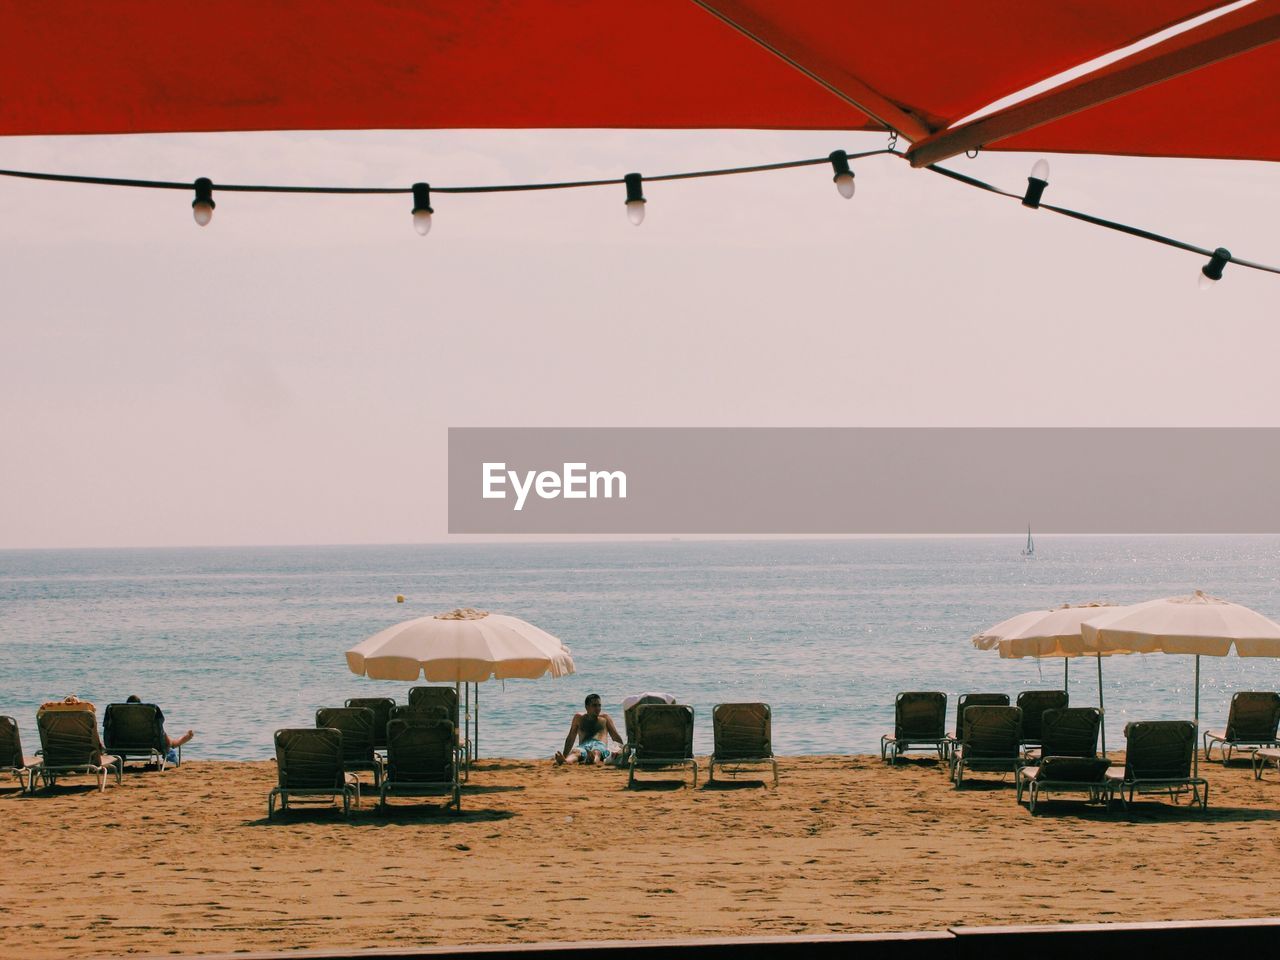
(288, 374)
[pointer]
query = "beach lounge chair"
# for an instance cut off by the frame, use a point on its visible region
(356, 724)
(309, 763)
(381, 707)
(629, 726)
(1158, 759)
(1067, 732)
(70, 744)
(743, 736)
(991, 742)
(135, 731)
(1263, 756)
(919, 723)
(446, 697)
(1034, 703)
(966, 701)
(1066, 775)
(1252, 721)
(12, 759)
(432, 713)
(664, 739)
(422, 759)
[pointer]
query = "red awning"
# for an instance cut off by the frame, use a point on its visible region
(150, 66)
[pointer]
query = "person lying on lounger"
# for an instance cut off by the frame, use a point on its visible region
(172, 743)
(592, 729)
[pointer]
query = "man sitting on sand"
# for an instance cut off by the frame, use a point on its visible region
(587, 727)
(171, 743)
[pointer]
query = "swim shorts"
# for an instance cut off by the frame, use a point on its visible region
(591, 746)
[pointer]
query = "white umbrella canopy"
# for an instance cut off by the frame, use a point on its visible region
(1047, 633)
(462, 646)
(1197, 624)
(1041, 633)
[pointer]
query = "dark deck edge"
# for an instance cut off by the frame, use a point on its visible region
(1049, 940)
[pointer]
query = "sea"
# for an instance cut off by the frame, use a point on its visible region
(238, 642)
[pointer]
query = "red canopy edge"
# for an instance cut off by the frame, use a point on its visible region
(152, 66)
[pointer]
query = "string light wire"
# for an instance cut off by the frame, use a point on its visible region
(891, 150)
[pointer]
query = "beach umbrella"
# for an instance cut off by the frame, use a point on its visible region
(1046, 633)
(1199, 625)
(461, 646)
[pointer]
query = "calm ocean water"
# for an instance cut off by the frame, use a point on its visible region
(238, 642)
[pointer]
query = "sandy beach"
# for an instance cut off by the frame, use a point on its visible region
(186, 862)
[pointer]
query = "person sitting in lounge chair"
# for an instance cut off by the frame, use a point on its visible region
(592, 729)
(171, 742)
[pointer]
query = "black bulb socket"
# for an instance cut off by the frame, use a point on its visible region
(204, 192)
(1035, 190)
(635, 190)
(840, 164)
(422, 198)
(1218, 261)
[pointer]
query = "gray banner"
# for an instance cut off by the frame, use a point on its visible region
(857, 480)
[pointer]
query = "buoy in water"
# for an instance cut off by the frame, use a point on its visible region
(399, 598)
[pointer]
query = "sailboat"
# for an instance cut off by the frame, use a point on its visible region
(1030, 549)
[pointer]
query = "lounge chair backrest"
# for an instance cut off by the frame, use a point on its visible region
(1034, 703)
(356, 724)
(920, 715)
(1159, 749)
(69, 738)
(1069, 732)
(742, 731)
(420, 751)
(431, 711)
(310, 758)
(133, 727)
(1255, 715)
(629, 715)
(381, 707)
(992, 732)
(447, 697)
(10, 743)
(1073, 769)
(664, 731)
(968, 700)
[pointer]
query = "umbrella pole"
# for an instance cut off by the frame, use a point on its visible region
(1066, 671)
(1195, 744)
(457, 698)
(1101, 708)
(475, 744)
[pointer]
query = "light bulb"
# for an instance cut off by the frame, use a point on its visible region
(1040, 171)
(1206, 282)
(202, 206)
(635, 211)
(845, 184)
(422, 221)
